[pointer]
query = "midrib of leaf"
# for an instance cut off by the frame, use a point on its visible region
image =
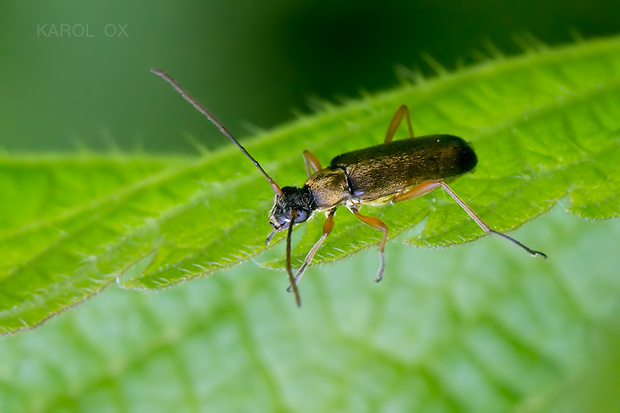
(146, 217)
(64, 184)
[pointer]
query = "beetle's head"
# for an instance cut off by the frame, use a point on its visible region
(295, 199)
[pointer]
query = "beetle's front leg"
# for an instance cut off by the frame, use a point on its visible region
(312, 163)
(328, 226)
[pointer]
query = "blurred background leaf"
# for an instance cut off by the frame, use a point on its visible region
(256, 62)
(473, 320)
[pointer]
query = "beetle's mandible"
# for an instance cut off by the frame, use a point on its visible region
(413, 167)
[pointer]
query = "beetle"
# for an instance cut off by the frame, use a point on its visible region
(391, 172)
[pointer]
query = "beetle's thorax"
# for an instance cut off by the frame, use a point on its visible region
(295, 199)
(329, 187)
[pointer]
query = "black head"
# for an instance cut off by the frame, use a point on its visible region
(295, 199)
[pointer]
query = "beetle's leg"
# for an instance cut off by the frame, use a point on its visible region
(327, 229)
(483, 224)
(291, 279)
(376, 224)
(428, 186)
(418, 190)
(403, 110)
(312, 163)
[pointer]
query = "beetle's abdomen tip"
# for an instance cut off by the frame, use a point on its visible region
(467, 158)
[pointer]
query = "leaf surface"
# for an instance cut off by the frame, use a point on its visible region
(544, 125)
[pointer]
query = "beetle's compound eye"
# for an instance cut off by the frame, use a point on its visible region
(302, 215)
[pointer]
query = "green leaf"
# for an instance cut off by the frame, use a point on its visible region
(471, 328)
(40, 187)
(544, 126)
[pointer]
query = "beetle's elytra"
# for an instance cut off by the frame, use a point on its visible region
(393, 171)
(383, 170)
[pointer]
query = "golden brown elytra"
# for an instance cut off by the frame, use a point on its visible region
(392, 172)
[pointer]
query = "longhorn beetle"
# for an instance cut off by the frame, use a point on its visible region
(392, 172)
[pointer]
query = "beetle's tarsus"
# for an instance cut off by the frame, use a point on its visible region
(381, 268)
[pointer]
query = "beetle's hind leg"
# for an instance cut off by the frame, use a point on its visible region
(484, 225)
(380, 225)
(403, 111)
(428, 186)
(416, 191)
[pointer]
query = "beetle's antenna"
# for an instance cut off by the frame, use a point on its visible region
(217, 123)
(291, 278)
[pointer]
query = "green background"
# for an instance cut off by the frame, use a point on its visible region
(431, 339)
(252, 63)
